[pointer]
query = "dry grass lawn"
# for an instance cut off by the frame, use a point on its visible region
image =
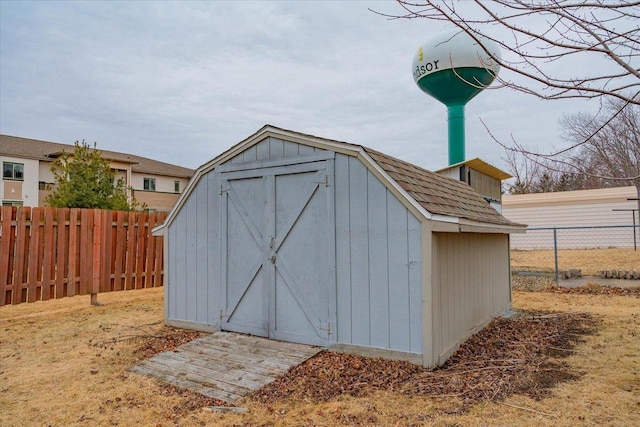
(53, 373)
(589, 260)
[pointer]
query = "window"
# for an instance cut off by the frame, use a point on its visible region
(176, 186)
(11, 203)
(13, 171)
(149, 184)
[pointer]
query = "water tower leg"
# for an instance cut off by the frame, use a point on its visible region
(456, 134)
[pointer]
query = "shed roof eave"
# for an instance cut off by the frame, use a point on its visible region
(158, 230)
(467, 226)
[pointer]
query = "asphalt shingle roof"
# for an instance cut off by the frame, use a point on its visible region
(46, 151)
(438, 194)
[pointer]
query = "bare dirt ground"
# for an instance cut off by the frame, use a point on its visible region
(64, 362)
(590, 261)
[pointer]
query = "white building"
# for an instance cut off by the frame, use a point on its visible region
(606, 207)
(27, 178)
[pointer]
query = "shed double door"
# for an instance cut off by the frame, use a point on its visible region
(278, 259)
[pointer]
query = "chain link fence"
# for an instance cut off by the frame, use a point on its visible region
(583, 237)
(609, 252)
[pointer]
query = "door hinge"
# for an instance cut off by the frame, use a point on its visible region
(327, 328)
(223, 315)
(222, 189)
(324, 181)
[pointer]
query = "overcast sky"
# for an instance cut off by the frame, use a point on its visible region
(181, 82)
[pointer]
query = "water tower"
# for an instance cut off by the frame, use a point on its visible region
(453, 68)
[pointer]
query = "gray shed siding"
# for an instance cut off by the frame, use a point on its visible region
(466, 299)
(378, 263)
(378, 277)
(192, 255)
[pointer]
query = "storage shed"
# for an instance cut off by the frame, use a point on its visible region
(304, 239)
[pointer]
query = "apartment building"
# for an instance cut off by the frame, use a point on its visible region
(27, 178)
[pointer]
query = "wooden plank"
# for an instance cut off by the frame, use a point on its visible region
(141, 249)
(263, 349)
(244, 363)
(98, 223)
(33, 261)
(61, 248)
(232, 379)
(107, 252)
(131, 250)
(202, 376)
(85, 258)
(21, 253)
(74, 264)
(378, 235)
(360, 291)
(263, 346)
(399, 265)
(151, 251)
(223, 365)
(202, 283)
(343, 249)
(48, 248)
(119, 252)
(270, 362)
(169, 377)
(212, 358)
(290, 347)
(6, 234)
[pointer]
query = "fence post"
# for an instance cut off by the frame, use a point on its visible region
(97, 255)
(555, 251)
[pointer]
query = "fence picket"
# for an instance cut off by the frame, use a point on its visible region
(119, 252)
(48, 250)
(62, 255)
(74, 265)
(6, 216)
(21, 255)
(131, 251)
(141, 254)
(52, 253)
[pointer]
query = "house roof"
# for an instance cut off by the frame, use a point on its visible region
(430, 193)
(15, 146)
(481, 166)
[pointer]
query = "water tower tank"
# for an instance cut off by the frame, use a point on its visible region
(453, 68)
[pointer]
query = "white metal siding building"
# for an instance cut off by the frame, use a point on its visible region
(572, 209)
(309, 240)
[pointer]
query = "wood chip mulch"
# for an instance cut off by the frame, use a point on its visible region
(511, 355)
(166, 339)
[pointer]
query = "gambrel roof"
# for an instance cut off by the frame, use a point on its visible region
(430, 195)
(438, 194)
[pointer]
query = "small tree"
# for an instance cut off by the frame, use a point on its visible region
(85, 180)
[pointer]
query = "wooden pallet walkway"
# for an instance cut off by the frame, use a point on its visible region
(225, 365)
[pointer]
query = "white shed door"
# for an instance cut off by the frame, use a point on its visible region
(278, 254)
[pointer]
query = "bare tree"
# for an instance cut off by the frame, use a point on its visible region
(605, 152)
(524, 171)
(540, 41)
(544, 35)
(611, 148)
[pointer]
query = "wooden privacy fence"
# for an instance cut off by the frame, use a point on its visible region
(57, 252)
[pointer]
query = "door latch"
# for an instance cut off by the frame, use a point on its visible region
(272, 258)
